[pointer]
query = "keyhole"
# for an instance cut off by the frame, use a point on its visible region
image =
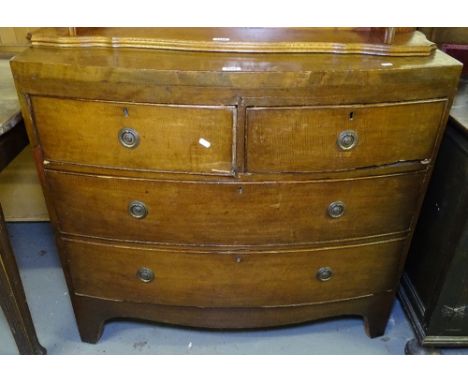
(240, 190)
(125, 112)
(351, 116)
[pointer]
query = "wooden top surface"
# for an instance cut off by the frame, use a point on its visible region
(239, 63)
(143, 75)
(374, 41)
(10, 113)
(459, 111)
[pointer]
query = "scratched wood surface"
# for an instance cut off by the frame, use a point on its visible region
(247, 211)
(171, 137)
(211, 279)
(305, 139)
(234, 214)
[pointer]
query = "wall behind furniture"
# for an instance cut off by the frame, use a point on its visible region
(13, 40)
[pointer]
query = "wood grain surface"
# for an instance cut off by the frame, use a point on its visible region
(266, 213)
(13, 300)
(284, 172)
(210, 279)
(305, 139)
(405, 42)
(172, 137)
(20, 191)
(92, 313)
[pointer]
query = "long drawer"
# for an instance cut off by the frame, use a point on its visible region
(231, 279)
(308, 139)
(195, 139)
(233, 213)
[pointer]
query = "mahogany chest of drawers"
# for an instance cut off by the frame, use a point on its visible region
(231, 189)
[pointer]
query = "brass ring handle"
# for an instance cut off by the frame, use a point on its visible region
(129, 138)
(336, 209)
(137, 209)
(145, 275)
(347, 140)
(324, 274)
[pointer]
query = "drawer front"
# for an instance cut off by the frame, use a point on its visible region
(195, 139)
(228, 280)
(232, 213)
(307, 139)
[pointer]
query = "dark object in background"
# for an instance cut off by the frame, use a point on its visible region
(458, 51)
(453, 41)
(13, 299)
(434, 288)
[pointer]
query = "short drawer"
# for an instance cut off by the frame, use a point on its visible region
(308, 139)
(196, 139)
(233, 213)
(228, 280)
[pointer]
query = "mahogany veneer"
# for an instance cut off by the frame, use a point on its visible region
(194, 183)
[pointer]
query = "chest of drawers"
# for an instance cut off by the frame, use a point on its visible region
(231, 189)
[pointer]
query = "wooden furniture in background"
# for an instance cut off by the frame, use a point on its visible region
(446, 35)
(438, 309)
(14, 40)
(13, 300)
(18, 181)
(453, 41)
(13, 139)
(233, 188)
